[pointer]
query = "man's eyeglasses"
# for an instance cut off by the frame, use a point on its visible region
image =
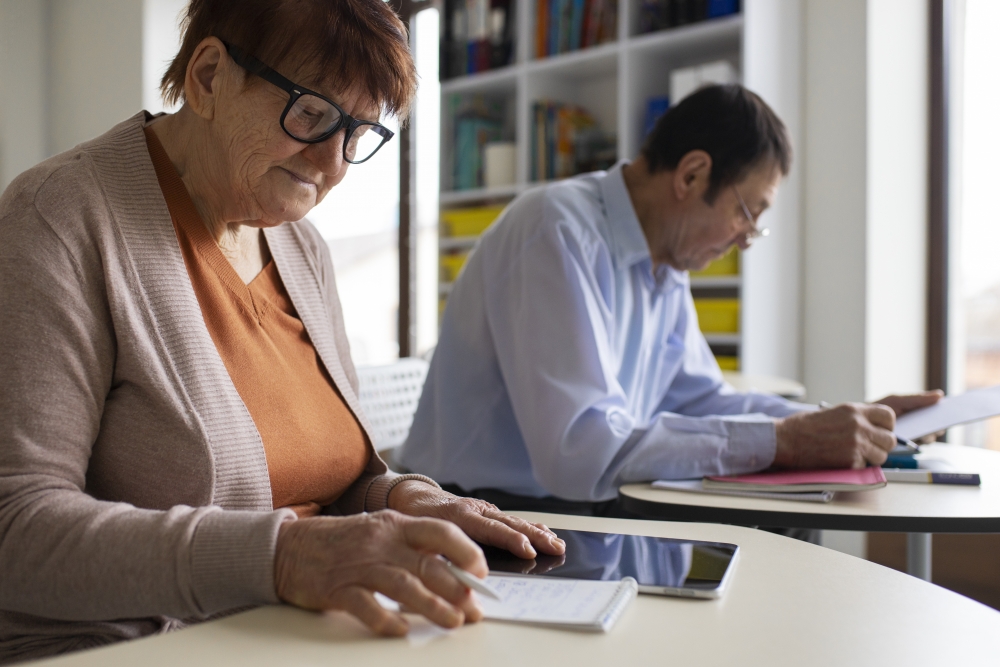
(755, 232)
(311, 118)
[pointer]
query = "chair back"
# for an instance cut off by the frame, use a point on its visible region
(389, 396)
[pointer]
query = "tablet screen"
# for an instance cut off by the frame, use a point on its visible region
(660, 565)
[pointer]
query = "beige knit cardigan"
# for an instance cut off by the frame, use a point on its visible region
(133, 485)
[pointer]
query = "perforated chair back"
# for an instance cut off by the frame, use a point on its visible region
(389, 396)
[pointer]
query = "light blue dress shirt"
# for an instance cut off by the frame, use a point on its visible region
(567, 366)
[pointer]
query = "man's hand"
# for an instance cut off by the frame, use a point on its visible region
(326, 563)
(903, 404)
(479, 519)
(851, 435)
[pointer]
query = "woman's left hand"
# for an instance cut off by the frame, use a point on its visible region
(479, 519)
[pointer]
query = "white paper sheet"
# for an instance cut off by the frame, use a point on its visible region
(971, 406)
(587, 605)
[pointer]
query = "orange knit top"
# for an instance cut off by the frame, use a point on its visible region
(314, 445)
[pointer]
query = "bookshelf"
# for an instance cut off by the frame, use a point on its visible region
(613, 81)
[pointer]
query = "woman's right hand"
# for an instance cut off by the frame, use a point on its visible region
(324, 563)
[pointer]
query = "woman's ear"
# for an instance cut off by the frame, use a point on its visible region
(201, 82)
(693, 174)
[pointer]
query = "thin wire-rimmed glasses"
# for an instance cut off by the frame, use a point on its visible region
(311, 118)
(755, 232)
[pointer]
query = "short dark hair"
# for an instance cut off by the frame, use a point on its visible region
(730, 123)
(356, 43)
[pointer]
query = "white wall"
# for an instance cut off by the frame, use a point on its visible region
(95, 68)
(24, 118)
(69, 70)
(772, 295)
(161, 39)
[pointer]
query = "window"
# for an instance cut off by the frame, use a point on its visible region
(975, 267)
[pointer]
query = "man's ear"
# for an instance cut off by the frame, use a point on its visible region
(692, 175)
(201, 82)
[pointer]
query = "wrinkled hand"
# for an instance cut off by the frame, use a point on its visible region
(479, 519)
(851, 435)
(903, 404)
(910, 402)
(324, 563)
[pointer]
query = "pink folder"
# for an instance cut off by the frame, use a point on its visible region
(845, 479)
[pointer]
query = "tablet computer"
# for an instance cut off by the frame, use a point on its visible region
(661, 566)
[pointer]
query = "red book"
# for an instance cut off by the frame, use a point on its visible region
(845, 479)
(541, 28)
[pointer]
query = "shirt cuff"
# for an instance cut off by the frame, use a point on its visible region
(752, 446)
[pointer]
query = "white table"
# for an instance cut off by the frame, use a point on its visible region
(790, 603)
(768, 384)
(917, 509)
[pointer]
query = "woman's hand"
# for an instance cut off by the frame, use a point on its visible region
(324, 563)
(479, 519)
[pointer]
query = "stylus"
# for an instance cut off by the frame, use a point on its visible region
(472, 582)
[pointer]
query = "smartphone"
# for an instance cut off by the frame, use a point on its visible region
(661, 566)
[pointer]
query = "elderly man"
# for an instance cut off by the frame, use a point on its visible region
(570, 359)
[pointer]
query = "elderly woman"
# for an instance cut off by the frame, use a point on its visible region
(180, 433)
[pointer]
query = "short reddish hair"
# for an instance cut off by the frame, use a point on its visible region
(360, 42)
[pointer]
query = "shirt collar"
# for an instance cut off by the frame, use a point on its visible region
(627, 240)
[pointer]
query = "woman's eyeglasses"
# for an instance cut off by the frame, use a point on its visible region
(311, 118)
(755, 232)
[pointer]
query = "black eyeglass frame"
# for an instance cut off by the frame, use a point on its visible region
(295, 91)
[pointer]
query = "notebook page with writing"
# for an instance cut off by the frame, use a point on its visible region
(565, 603)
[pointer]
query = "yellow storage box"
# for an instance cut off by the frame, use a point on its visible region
(727, 265)
(451, 265)
(468, 221)
(728, 363)
(718, 315)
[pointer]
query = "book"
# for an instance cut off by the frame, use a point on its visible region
(846, 479)
(696, 486)
(566, 140)
(563, 603)
(478, 36)
(655, 108)
(562, 26)
(478, 120)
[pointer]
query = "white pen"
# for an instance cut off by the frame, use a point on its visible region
(930, 477)
(472, 582)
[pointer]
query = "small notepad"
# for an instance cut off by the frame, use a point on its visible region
(695, 486)
(565, 603)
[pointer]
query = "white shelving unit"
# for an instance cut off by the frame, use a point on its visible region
(613, 81)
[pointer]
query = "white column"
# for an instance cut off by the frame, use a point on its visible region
(865, 222)
(865, 194)
(772, 295)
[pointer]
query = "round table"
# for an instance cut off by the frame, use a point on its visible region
(790, 603)
(767, 384)
(917, 509)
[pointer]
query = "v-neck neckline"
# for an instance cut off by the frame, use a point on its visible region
(189, 220)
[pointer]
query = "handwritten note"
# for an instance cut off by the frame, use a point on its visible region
(593, 605)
